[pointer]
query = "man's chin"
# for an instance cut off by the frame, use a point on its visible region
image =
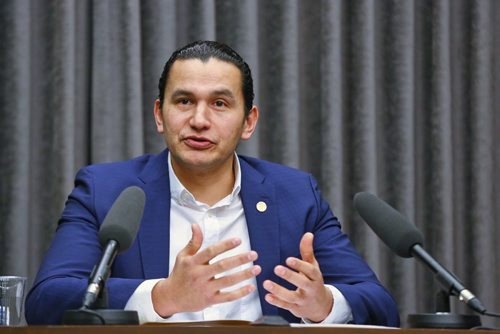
(198, 162)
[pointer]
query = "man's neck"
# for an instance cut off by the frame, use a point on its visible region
(207, 187)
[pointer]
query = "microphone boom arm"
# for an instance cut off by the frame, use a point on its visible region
(100, 274)
(448, 281)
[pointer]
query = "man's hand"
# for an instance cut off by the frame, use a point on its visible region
(192, 285)
(311, 300)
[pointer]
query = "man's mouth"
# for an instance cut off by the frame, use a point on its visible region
(198, 142)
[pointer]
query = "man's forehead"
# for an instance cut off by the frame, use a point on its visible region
(216, 73)
(181, 63)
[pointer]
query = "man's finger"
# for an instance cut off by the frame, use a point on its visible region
(282, 293)
(300, 280)
(231, 262)
(306, 248)
(196, 240)
(210, 252)
(224, 297)
(274, 300)
(240, 276)
(309, 270)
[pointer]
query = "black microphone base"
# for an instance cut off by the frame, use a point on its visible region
(442, 320)
(100, 317)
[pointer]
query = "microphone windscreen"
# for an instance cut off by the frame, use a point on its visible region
(122, 220)
(394, 229)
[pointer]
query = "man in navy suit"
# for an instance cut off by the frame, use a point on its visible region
(223, 236)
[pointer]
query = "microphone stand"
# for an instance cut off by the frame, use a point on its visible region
(99, 314)
(450, 285)
(443, 318)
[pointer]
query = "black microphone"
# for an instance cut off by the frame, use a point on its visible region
(406, 240)
(116, 234)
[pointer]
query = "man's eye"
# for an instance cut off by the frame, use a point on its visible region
(219, 103)
(184, 101)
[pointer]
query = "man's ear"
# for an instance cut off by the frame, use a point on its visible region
(250, 123)
(158, 116)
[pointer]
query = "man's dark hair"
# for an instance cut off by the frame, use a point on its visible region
(204, 50)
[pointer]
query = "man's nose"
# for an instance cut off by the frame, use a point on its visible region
(201, 116)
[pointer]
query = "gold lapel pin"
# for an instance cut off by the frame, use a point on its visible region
(261, 206)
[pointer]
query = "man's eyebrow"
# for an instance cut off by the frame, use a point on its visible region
(223, 92)
(217, 92)
(180, 92)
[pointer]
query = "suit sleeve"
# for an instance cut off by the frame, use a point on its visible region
(343, 267)
(66, 267)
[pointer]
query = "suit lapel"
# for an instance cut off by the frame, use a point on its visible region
(154, 242)
(258, 197)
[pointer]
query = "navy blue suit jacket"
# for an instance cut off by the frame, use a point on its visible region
(294, 206)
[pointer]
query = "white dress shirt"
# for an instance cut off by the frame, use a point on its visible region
(223, 220)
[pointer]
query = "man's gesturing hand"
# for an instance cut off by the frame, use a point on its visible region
(192, 286)
(311, 300)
